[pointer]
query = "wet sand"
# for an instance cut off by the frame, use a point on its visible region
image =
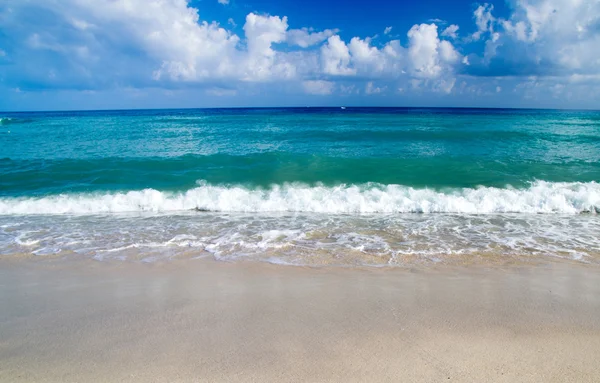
(197, 321)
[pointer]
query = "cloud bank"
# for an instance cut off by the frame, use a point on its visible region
(544, 49)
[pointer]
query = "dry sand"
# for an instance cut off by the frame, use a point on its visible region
(197, 321)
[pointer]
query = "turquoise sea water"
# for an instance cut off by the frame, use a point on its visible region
(303, 185)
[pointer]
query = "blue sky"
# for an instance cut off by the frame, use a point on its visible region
(114, 54)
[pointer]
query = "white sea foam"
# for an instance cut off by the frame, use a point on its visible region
(24, 242)
(304, 238)
(540, 197)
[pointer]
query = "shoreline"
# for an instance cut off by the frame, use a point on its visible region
(203, 320)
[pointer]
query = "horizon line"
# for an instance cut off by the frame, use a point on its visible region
(298, 107)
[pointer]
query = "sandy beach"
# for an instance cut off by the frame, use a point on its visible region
(197, 321)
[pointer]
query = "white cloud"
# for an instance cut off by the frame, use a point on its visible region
(451, 31)
(536, 15)
(172, 45)
(335, 57)
(305, 38)
(360, 58)
(394, 50)
(556, 37)
(224, 2)
(261, 33)
(427, 53)
(231, 22)
(437, 21)
(366, 58)
(168, 31)
(564, 32)
(423, 50)
(90, 44)
(318, 87)
(484, 20)
(447, 52)
(431, 59)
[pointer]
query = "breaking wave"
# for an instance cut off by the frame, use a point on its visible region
(540, 197)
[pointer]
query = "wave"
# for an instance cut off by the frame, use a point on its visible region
(38, 177)
(540, 197)
(11, 120)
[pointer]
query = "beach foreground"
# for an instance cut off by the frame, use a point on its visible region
(78, 321)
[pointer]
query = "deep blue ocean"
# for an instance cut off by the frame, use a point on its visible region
(354, 186)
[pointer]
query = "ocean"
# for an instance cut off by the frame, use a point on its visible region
(302, 186)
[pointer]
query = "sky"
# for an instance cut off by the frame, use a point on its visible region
(127, 54)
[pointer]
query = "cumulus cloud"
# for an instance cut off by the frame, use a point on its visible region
(541, 37)
(101, 44)
(566, 34)
(261, 33)
(429, 55)
(335, 57)
(167, 43)
(366, 56)
(423, 50)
